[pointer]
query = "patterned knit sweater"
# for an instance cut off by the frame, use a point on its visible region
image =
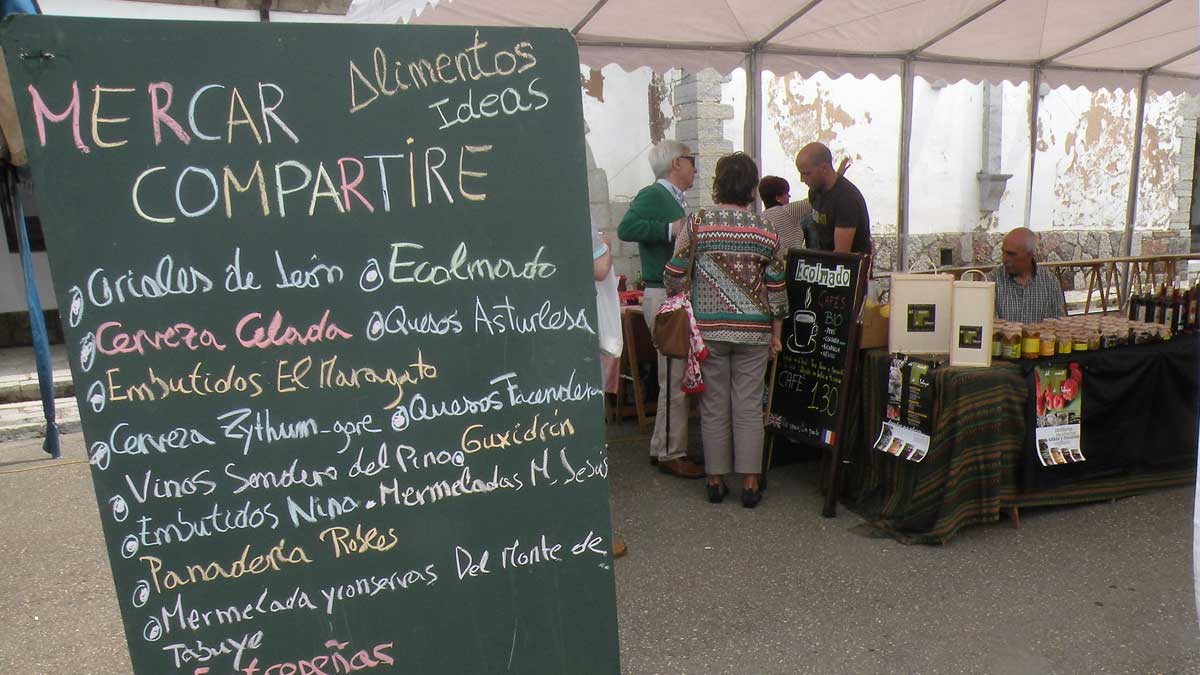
(738, 284)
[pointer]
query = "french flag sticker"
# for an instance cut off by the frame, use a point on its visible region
(827, 437)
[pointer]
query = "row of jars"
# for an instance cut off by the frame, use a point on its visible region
(1071, 334)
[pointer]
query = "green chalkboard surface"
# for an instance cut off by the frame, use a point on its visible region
(329, 310)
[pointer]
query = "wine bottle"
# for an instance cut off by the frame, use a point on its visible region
(1178, 310)
(1193, 308)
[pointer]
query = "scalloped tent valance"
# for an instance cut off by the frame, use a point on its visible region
(1106, 44)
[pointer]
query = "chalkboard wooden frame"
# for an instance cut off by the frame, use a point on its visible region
(825, 262)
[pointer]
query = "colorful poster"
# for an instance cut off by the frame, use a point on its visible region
(902, 442)
(1058, 391)
(908, 416)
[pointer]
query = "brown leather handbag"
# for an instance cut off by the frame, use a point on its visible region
(673, 329)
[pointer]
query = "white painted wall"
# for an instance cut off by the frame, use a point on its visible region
(131, 9)
(1160, 172)
(12, 283)
(128, 9)
(1081, 181)
(1081, 174)
(855, 118)
(733, 93)
(619, 128)
(947, 124)
(1015, 156)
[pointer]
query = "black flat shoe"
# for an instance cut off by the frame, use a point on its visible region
(717, 492)
(751, 498)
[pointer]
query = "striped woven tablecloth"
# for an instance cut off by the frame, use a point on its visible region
(972, 469)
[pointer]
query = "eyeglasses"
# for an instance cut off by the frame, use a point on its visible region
(690, 158)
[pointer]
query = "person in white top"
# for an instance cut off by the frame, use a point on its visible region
(787, 217)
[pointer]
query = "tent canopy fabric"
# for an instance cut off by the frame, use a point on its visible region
(1093, 43)
(1138, 45)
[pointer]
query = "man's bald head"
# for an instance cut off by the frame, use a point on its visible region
(1017, 251)
(815, 164)
(1023, 237)
(815, 154)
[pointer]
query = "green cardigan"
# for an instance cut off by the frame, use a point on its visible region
(648, 223)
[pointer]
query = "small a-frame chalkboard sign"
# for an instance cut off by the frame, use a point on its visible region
(813, 374)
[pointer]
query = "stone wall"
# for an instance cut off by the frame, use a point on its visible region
(699, 124)
(971, 248)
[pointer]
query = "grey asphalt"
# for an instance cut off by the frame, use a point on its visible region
(1102, 588)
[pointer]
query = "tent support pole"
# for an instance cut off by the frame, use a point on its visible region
(1035, 99)
(1134, 181)
(1136, 165)
(906, 122)
(753, 127)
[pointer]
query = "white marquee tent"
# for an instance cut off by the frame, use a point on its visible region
(1111, 44)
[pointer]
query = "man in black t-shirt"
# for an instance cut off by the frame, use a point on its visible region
(842, 221)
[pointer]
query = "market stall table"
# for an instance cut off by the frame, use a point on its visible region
(1139, 432)
(638, 351)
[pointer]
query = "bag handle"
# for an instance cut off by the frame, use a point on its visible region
(982, 276)
(693, 223)
(927, 261)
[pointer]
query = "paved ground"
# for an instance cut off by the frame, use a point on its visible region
(1104, 588)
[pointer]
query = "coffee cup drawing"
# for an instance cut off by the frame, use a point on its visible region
(803, 339)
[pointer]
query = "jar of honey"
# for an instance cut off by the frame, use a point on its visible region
(1031, 342)
(1065, 340)
(1049, 343)
(1079, 343)
(1011, 349)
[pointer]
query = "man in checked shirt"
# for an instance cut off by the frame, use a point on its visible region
(1024, 293)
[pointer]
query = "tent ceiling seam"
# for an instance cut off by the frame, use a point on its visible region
(733, 14)
(873, 15)
(757, 46)
(956, 27)
(588, 17)
(1159, 67)
(1114, 27)
(666, 46)
(1126, 45)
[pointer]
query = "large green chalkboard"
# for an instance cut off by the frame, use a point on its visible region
(329, 311)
